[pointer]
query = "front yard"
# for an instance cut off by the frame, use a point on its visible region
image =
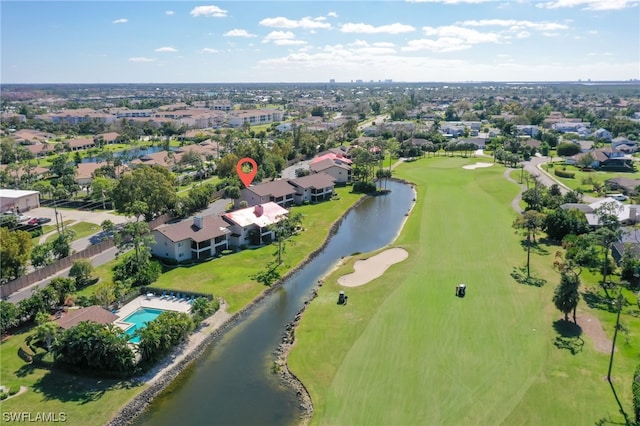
(585, 181)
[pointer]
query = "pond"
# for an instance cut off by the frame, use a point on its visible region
(232, 383)
(127, 154)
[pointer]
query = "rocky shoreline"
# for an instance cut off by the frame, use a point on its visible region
(140, 402)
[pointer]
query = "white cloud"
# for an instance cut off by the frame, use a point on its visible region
(166, 49)
(381, 48)
(208, 50)
(523, 34)
(443, 44)
(332, 14)
(466, 35)
(361, 28)
(304, 23)
(279, 35)
(283, 38)
(141, 59)
(169, 12)
(236, 32)
(120, 21)
(589, 4)
(210, 11)
(514, 24)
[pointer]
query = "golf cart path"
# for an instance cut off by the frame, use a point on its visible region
(515, 203)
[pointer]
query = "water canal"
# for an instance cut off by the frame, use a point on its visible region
(232, 383)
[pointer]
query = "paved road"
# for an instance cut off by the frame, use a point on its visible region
(534, 167)
(99, 259)
(378, 119)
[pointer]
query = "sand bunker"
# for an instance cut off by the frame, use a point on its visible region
(477, 166)
(373, 267)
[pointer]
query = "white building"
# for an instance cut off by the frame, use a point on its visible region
(12, 199)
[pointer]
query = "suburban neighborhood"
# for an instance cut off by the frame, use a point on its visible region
(166, 232)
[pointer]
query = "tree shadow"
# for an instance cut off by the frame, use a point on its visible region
(520, 275)
(536, 248)
(569, 337)
(597, 300)
(608, 421)
(60, 386)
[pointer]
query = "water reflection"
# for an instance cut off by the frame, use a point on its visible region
(232, 383)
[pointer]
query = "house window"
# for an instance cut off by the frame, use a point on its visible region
(165, 243)
(181, 254)
(166, 254)
(179, 244)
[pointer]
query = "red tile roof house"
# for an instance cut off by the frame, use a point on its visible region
(93, 313)
(250, 226)
(197, 238)
(313, 188)
(280, 192)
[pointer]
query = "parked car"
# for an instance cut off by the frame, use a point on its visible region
(617, 197)
(33, 221)
(42, 220)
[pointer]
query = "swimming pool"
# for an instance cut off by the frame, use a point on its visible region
(139, 319)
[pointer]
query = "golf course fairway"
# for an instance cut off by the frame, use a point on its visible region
(406, 351)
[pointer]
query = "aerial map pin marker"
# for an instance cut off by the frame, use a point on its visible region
(246, 177)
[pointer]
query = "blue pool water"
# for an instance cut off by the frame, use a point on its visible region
(139, 319)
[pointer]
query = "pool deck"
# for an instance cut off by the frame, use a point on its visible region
(154, 302)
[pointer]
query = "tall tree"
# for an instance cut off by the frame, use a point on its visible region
(15, 248)
(152, 185)
(566, 295)
(607, 234)
(63, 288)
(284, 230)
(529, 223)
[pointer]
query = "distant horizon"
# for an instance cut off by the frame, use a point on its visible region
(230, 42)
(630, 81)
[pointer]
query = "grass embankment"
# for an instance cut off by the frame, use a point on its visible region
(80, 229)
(581, 178)
(406, 351)
(86, 400)
(230, 277)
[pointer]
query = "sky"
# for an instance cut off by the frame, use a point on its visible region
(316, 41)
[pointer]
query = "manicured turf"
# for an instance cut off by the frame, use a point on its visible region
(80, 229)
(406, 351)
(83, 400)
(230, 277)
(88, 401)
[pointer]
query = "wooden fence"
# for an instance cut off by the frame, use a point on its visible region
(59, 265)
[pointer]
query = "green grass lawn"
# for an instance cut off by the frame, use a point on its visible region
(406, 351)
(87, 400)
(579, 181)
(230, 276)
(83, 400)
(184, 189)
(81, 229)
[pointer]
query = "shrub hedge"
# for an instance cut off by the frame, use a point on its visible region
(564, 174)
